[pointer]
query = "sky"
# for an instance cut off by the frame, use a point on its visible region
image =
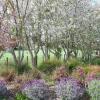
(97, 1)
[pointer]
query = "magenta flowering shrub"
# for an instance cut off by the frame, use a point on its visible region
(69, 89)
(36, 90)
(79, 74)
(90, 77)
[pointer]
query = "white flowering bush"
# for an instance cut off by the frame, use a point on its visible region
(69, 89)
(94, 89)
(36, 90)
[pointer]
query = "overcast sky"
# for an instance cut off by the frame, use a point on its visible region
(97, 1)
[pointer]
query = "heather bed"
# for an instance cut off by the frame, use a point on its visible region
(64, 86)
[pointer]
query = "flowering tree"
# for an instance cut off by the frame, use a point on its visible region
(8, 40)
(51, 26)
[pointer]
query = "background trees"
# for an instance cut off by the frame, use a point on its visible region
(53, 26)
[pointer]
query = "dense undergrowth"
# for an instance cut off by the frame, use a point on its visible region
(71, 80)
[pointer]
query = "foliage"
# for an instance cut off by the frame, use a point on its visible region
(94, 89)
(73, 26)
(36, 90)
(79, 74)
(85, 74)
(92, 68)
(86, 70)
(96, 61)
(23, 68)
(92, 76)
(36, 74)
(97, 76)
(69, 89)
(72, 63)
(58, 53)
(9, 74)
(60, 73)
(3, 89)
(20, 96)
(28, 76)
(49, 66)
(92, 72)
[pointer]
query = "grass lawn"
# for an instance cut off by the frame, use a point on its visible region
(3, 60)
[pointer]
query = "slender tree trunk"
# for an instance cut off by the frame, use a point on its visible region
(46, 53)
(35, 60)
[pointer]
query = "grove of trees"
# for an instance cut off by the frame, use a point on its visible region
(52, 26)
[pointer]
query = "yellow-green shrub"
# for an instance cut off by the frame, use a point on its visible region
(72, 63)
(49, 66)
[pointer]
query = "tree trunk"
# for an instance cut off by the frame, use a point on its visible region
(35, 60)
(46, 54)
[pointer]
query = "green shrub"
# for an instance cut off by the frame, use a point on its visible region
(2, 98)
(94, 89)
(23, 68)
(86, 70)
(96, 61)
(20, 96)
(49, 66)
(72, 63)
